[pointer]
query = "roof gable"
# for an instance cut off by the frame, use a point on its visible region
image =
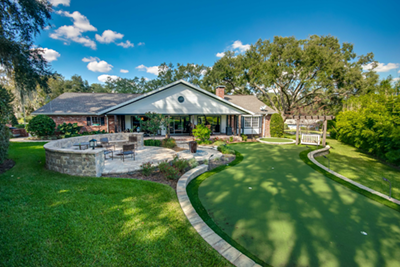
(165, 101)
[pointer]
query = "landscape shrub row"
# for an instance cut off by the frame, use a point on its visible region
(372, 123)
(170, 170)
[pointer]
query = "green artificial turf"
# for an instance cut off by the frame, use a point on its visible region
(293, 215)
(362, 168)
(276, 140)
(52, 219)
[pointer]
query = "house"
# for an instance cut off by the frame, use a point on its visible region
(186, 103)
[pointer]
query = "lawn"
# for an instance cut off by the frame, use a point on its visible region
(284, 213)
(362, 168)
(52, 219)
(276, 140)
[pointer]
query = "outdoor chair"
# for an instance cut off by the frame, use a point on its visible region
(128, 150)
(109, 151)
(133, 140)
(106, 144)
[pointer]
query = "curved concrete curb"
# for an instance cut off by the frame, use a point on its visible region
(277, 143)
(233, 255)
(326, 149)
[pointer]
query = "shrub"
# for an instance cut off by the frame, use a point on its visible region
(193, 163)
(202, 134)
(20, 126)
(14, 121)
(226, 150)
(4, 142)
(41, 125)
(180, 164)
(168, 143)
(372, 123)
(244, 138)
(168, 171)
(286, 127)
(231, 139)
(276, 125)
(69, 129)
(147, 168)
(218, 143)
(152, 142)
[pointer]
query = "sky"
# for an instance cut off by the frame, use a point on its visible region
(128, 38)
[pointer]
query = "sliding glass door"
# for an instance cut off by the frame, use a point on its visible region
(180, 125)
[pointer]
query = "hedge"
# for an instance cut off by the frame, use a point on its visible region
(4, 142)
(41, 125)
(276, 126)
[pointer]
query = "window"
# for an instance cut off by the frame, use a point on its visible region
(251, 122)
(95, 121)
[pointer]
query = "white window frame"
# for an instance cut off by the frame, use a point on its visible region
(251, 122)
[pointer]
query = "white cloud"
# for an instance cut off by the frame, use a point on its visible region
(396, 79)
(109, 36)
(381, 67)
(97, 65)
(50, 54)
(398, 71)
(153, 70)
(90, 59)
(124, 71)
(59, 2)
(220, 54)
(74, 32)
(238, 45)
(126, 44)
(146, 79)
(103, 78)
(141, 43)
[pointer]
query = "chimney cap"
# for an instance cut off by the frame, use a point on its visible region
(220, 86)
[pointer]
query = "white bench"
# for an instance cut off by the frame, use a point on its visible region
(310, 139)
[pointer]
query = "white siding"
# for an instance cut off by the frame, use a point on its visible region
(252, 131)
(223, 124)
(166, 102)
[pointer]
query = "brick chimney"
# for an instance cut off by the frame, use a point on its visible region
(220, 91)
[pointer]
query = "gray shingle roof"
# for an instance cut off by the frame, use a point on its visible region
(83, 103)
(249, 102)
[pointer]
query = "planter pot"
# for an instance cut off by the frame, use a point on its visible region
(193, 146)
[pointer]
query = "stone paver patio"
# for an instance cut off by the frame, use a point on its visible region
(154, 155)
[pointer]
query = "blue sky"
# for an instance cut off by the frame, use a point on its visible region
(98, 38)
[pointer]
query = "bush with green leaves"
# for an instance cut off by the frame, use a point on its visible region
(231, 139)
(286, 127)
(219, 142)
(41, 125)
(372, 123)
(168, 171)
(180, 164)
(202, 134)
(20, 126)
(244, 138)
(226, 150)
(193, 163)
(147, 168)
(152, 142)
(69, 128)
(168, 143)
(4, 142)
(276, 125)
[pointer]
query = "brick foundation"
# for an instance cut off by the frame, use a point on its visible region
(81, 120)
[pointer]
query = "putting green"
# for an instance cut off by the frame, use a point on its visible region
(286, 214)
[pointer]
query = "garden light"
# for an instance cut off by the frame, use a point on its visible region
(93, 143)
(390, 192)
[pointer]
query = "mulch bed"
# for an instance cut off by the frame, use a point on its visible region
(6, 165)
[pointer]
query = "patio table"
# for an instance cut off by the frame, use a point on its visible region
(82, 144)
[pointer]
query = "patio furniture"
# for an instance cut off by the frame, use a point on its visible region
(310, 139)
(106, 144)
(133, 140)
(109, 151)
(80, 145)
(127, 150)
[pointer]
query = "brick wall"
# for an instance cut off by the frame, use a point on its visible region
(20, 132)
(82, 121)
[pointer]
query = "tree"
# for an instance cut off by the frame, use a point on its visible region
(316, 72)
(276, 125)
(154, 122)
(76, 85)
(127, 86)
(190, 72)
(6, 108)
(21, 22)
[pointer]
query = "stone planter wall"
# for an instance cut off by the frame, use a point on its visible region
(63, 157)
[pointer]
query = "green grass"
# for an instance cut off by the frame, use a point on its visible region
(361, 168)
(294, 215)
(276, 140)
(52, 219)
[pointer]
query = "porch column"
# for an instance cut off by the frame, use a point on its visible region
(240, 124)
(115, 124)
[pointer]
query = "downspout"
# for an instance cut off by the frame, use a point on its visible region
(263, 126)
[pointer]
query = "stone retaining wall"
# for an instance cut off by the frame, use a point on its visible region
(62, 157)
(233, 255)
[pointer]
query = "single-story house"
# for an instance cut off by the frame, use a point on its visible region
(187, 104)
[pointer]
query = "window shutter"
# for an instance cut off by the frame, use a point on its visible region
(89, 123)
